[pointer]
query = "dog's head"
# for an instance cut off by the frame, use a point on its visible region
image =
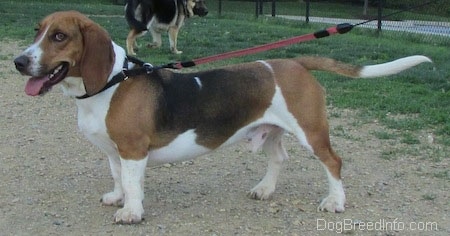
(66, 44)
(197, 7)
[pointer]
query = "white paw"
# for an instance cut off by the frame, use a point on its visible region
(112, 199)
(261, 191)
(332, 203)
(129, 215)
(175, 51)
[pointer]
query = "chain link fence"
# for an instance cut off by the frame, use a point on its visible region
(422, 20)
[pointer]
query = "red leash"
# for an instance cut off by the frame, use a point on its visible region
(340, 28)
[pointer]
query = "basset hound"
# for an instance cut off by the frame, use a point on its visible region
(167, 116)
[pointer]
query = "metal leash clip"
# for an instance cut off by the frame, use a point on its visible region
(148, 67)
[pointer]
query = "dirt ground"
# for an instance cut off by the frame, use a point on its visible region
(51, 180)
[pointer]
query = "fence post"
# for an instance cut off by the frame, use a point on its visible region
(273, 8)
(220, 8)
(307, 11)
(380, 14)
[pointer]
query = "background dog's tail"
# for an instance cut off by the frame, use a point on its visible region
(384, 69)
(130, 15)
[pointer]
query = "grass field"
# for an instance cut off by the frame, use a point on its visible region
(418, 99)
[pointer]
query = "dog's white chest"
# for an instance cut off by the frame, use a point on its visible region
(91, 122)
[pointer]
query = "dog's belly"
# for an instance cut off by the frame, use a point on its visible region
(184, 147)
(181, 148)
(158, 26)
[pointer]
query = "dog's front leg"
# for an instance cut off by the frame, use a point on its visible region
(114, 198)
(156, 37)
(133, 172)
(273, 147)
(173, 35)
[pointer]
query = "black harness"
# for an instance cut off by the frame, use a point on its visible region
(141, 69)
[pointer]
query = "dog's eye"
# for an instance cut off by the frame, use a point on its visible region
(59, 37)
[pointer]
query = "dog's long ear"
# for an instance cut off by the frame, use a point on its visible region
(97, 59)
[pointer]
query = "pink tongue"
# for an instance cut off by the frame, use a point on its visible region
(34, 85)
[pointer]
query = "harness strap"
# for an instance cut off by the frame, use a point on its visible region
(143, 68)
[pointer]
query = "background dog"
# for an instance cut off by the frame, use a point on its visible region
(158, 16)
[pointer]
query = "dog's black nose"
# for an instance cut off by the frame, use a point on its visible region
(200, 11)
(21, 63)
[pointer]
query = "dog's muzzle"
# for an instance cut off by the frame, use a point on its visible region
(200, 11)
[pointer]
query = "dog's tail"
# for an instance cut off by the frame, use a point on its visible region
(384, 69)
(130, 15)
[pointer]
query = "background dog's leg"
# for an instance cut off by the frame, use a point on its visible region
(114, 198)
(133, 172)
(273, 147)
(131, 41)
(156, 39)
(173, 35)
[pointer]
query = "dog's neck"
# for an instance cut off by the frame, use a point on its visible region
(74, 86)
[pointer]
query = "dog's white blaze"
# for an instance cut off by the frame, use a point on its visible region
(34, 52)
(393, 67)
(199, 82)
(181, 148)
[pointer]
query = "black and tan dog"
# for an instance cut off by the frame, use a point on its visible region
(159, 16)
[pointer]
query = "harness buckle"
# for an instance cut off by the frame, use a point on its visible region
(125, 76)
(148, 67)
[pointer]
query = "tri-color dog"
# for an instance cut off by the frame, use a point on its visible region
(168, 116)
(158, 16)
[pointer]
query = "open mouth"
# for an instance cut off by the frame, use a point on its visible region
(39, 85)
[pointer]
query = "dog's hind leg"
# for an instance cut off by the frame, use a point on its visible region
(316, 136)
(273, 147)
(332, 163)
(131, 40)
(305, 99)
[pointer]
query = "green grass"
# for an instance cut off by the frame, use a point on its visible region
(413, 100)
(384, 135)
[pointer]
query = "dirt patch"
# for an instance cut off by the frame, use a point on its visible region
(52, 179)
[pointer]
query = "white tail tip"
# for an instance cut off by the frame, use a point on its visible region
(393, 67)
